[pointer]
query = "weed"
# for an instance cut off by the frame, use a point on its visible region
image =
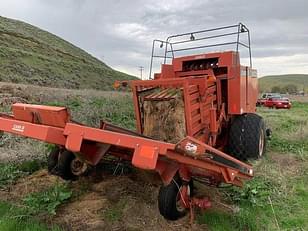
(12, 218)
(288, 146)
(47, 201)
(254, 192)
(49, 147)
(10, 172)
(31, 166)
(223, 221)
(115, 212)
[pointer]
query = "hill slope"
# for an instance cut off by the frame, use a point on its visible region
(267, 82)
(31, 55)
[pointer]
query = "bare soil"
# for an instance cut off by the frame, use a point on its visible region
(287, 164)
(111, 203)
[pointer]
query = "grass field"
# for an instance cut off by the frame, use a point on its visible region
(33, 56)
(276, 199)
(266, 83)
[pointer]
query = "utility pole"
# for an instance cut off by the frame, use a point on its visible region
(141, 68)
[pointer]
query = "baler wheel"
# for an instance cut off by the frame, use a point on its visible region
(169, 199)
(52, 160)
(69, 167)
(247, 138)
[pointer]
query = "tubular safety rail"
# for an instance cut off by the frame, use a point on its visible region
(201, 35)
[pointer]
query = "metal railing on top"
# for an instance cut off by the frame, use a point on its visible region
(170, 52)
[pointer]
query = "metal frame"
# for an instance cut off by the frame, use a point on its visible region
(238, 30)
(184, 83)
(143, 152)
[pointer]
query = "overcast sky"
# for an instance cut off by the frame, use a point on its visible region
(120, 32)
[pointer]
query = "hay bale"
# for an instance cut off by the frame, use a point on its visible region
(165, 119)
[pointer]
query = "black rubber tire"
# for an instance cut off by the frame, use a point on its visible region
(64, 165)
(245, 136)
(52, 160)
(167, 199)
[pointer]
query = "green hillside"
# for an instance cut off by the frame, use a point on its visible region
(33, 56)
(266, 83)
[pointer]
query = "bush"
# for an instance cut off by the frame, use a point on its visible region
(290, 88)
(276, 89)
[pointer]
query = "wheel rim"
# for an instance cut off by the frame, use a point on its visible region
(261, 143)
(180, 205)
(78, 167)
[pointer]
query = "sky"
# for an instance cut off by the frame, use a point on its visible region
(120, 32)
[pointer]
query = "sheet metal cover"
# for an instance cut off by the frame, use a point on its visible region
(40, 114)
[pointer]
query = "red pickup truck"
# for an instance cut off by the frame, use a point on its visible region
(277, 102)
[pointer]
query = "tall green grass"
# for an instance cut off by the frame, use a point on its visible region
(277, 197)
(12, 218)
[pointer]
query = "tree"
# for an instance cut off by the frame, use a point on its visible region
(290, 88)
(276, 89)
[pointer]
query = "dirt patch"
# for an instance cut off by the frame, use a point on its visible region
(82, 214)
(134, 204)
(113, 203)
(36, 182)
(288, 164)
(130, 204)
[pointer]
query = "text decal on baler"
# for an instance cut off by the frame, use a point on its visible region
(18, 128)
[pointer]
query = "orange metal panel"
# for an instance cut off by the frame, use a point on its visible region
(195, 106)
(195, 113)
(74, 141)
(167, 71)
(113, 138)
(145, 157)
(234, 92)
(197, 128)
(194, 96)
(187, 110)
(40, 114)
(196, 118)
(40, 132)
(193, 89)
(137, 108)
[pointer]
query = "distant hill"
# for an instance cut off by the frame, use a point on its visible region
(32, 56)
(266, 83)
